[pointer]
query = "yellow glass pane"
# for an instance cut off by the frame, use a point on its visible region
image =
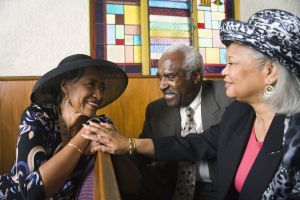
(137, 54)
(212, 55)
(217, 16)
(200, 16)
(169, 33)
(132, 15)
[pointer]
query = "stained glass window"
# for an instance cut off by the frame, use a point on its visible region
(169, 23)
(123, 34)
(210, 15)
(118, 33)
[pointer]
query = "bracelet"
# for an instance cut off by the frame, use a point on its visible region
(76, 147)
(132, 146)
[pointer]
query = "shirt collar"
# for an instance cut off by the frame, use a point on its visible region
(197, 100)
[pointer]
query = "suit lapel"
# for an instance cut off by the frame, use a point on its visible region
(209, 106)
(230, 156)
(170, 121)
(266, 163)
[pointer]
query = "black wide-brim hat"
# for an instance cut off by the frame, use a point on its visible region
(47, 88)
(273, 32)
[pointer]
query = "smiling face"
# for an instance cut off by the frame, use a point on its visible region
(177, 89)
(85, 94)
(244, 79)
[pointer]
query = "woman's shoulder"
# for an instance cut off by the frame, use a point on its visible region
(237, 109)
(40, 112)
(241, 106)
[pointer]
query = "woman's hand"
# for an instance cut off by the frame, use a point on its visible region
(89, 149)
(108, 139)
(72, 118)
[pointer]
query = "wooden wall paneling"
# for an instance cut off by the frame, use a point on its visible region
(2, 105)
(14, 98)
(154, 90)
(140, 100)
(6, 125)
(1, 132)
(115, 112)
(131, 108)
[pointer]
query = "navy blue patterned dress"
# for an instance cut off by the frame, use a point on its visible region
(39, 139)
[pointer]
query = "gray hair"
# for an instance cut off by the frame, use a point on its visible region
(286, 93)
(192, 58)
(284, 98)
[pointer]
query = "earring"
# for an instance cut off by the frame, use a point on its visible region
(66, 102)
(268, 89)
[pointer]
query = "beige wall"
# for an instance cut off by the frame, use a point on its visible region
(36, 34)
(249, 7)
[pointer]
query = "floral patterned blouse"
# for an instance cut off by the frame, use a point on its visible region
(39, 139)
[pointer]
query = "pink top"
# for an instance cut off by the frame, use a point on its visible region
(251, 152)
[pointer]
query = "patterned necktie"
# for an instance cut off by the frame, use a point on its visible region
(190, 124)
(186, 177)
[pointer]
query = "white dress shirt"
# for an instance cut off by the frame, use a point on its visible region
(202, 166)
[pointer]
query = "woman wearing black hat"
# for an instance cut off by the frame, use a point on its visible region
(257, 143)
(51, 154)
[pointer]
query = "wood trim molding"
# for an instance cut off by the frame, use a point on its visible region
(18, 78)
(33, 78)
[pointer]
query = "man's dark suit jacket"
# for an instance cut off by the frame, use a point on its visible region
(159, 178)
(227, 141)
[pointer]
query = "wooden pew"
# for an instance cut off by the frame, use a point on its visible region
(105, 185)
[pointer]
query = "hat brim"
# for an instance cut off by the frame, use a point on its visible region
(115, 80)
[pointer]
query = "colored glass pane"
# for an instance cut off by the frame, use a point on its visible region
(210, 46)
(169, 23)
(118, 38)
(118, 35)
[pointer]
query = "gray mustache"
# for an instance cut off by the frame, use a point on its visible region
(166, 92)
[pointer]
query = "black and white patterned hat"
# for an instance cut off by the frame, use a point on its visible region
(273, 32)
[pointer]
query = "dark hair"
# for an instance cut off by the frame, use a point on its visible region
(71, 76)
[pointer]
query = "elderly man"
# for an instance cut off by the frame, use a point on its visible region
(190, 104)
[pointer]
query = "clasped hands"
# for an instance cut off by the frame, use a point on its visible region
(104, 137)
